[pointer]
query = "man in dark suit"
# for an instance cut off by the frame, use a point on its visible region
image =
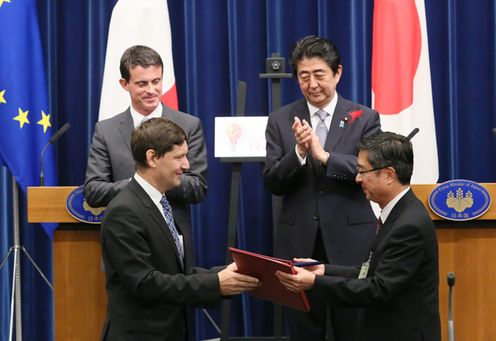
(148, 277)
(110, 163)
(398, 282)
(311, 163)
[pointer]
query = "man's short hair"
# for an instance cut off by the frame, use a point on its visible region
(387, 149)
(158, 134)
(314, 47)
(139, 55)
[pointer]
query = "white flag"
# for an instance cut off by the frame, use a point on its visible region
(136, 22)
(401, 80)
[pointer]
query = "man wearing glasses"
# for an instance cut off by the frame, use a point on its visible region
(397, 284)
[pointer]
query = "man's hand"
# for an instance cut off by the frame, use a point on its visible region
(316, 149)
(303, 279)
(303, 134)
(308, 142)
(233, 283)
(316, 269)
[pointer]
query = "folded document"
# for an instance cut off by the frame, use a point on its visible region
(264, 268)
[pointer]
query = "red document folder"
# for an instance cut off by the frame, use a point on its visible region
(264, 268)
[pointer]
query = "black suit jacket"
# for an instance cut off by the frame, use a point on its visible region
(400, 292)
(111, 164)
(147, 289)
(314, 196)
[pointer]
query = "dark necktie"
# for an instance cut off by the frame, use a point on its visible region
(169, 219)
(321, 128)
(378, 225)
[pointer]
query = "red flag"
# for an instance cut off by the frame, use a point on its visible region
(136, 22)
(401, 81)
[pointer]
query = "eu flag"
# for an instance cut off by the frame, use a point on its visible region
(25, 119)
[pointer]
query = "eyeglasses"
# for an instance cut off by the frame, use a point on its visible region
(361, 172)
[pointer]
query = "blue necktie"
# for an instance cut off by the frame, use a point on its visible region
(169, 219)
(321, 128)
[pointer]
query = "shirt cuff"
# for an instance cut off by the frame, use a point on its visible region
(303, 161)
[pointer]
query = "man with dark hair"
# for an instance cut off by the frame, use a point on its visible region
(315, 47)
(138, 55)
(110, 163)
(398, 282)
(311, 162)
(149, 281)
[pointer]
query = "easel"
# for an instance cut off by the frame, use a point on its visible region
(16, 249)
(275, 70)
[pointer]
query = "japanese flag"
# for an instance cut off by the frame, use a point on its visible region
(401, 80)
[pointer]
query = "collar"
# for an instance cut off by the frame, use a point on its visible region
(138, 118)
(389, 207)
(329, 108)
(152, 192)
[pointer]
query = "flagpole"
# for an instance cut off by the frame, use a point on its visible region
(16, 272)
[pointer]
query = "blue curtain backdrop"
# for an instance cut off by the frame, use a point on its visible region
(215, 44)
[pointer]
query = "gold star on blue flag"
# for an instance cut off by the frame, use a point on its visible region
(24, 123)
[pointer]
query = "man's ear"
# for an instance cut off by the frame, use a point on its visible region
(150, 158)
(124, 84)
(391, 173)
(338, 73)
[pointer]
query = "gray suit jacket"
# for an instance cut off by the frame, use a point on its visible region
(111, 164)
(314, 196)
(400, 292)
(146, 288)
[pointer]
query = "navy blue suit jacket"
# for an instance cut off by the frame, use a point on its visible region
(315, 196)
(146, 288)
(400, 293)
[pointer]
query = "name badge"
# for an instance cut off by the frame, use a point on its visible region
(365, 268)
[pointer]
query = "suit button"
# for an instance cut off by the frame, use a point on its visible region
(315, 217)
(321, 191)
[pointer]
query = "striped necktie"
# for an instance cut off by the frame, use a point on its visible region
(378, 225)
(169, 219)
(321, 128)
